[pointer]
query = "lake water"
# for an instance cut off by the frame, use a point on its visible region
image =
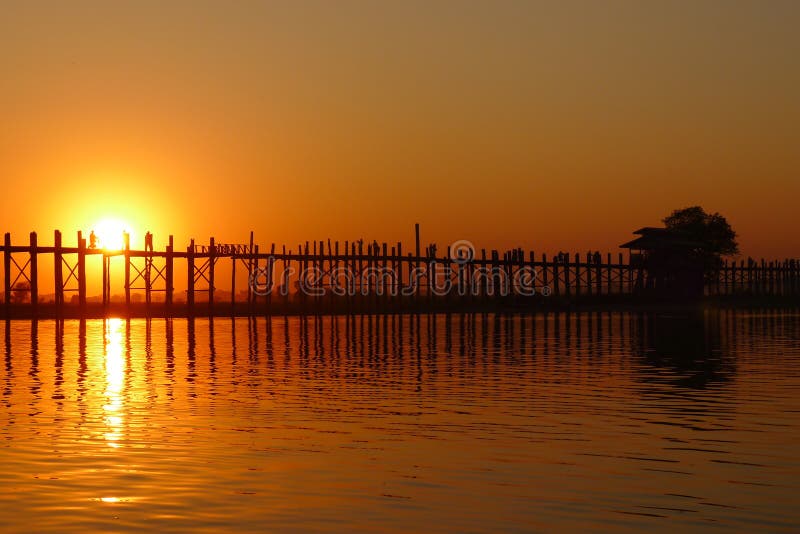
(601, 421)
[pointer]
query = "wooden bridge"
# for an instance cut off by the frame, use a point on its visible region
(322, 276)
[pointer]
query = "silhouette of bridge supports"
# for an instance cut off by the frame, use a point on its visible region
(75, 272)
(196, 272)
(25, 274)
(353, 278)
(250, 262)
(143, 272)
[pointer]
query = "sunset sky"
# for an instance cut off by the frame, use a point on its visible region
(552, 126)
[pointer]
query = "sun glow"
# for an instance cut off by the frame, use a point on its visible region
(109, 234)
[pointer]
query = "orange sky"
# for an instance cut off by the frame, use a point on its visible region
(549, 126)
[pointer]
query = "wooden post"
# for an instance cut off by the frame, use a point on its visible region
(252, 266)
(148, 267)
(34, 272)
(484, 282)
(190, 275)
(771, 277)
(588, 268)
(7, 270)
(81, 270)
(105, 280)
(544, 270)
(269, 267)
(212, 253)
(567, 288)
(598, 274)
(169, 273)
(556, 276)
(630, 274)
(742, 279)
(126, 240)
(285, 278)
(609, 272)
(620, 274)
(302, 260)
(385, 248)
(59, 275)
(233, 279)
(360, 271)
(399, 270)
(782, 276)
(796, 277)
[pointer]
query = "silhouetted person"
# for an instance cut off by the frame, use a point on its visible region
(92, 240)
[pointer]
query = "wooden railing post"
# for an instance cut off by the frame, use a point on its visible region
(233, 278)
(556, 276)
(34, 271)
(598, 274)
(106, 296)
(148, 268)
(190, 275)
(211, 261)
(58, 273)
(168, 269)
(81, 270)
(7, 270)
(126, 238)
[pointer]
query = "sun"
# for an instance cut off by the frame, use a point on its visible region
(109, 234)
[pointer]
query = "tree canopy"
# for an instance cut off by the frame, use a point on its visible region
(712, 231)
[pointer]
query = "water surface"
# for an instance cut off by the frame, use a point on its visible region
(605, 421)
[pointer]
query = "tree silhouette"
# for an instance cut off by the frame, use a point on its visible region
(713, 234)
(20, 292)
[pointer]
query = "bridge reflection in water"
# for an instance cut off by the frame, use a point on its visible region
(401, 421)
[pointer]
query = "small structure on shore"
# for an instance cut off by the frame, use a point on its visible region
(667, 263)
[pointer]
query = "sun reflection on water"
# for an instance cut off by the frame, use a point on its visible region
(115, 379)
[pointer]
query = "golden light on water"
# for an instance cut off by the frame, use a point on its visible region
(115, 380)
